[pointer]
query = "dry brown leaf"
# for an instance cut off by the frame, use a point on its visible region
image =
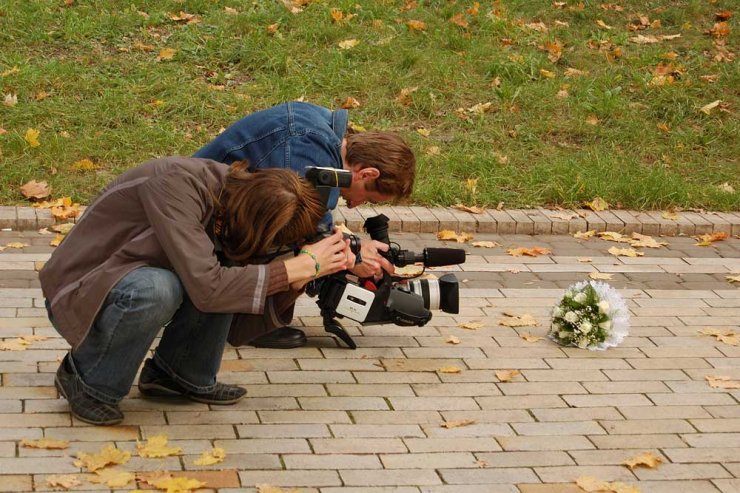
(434, 151)
(65, 481)
(185, 17)
(726, 187)
(273, 28)
(646, 241)
(107, 455)
(732, 279)
(644, 40)
(707, 109)
(469, 208)
(573, 72)
(404, 97)
(646, 459)
(45, 443)
(481, 463)
(166, 54)
(459, 20)
(348, 44)
(612, 236)
(725, 336)
(625, 252)
(565, 216)
(709, 238)
(512, 320)
(17, 245)
(449, 369)
(592, 120)
(156, 446)
(719, 30)
(214, 456)
(584, 235)
(600, 276)
(336, 15)
(113, 478)
(57, 240)
(36, 190)
(529, 252)
(531, 338)
(597, 204)
(452, 340)
(414, 25)
(670, 215)
(554, 50)
(592, 484)
(506, 375)
(457, 423)
(485, 244)
(448, 235)
(603, 25)
(585, 259)
(537, 26)
(350, 103)
(722, 382)
(470, 325)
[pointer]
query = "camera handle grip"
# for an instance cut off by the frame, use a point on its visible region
(335, 328)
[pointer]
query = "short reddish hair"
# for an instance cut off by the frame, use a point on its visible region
(390, 154)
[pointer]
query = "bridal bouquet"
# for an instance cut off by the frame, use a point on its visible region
(592, 315)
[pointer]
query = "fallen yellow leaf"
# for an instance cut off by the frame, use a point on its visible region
(585, 235)
(57, 240)
(709, 238)
(531, 338)
(449, 369)
(625, 252)
(156, 446)
(647, 459)
(16, 244)
(107, 455)
(404, 97)
(612, 236)
(640, 240)
(457, 423)
(113, 478)
(452, 340)
(670, 215)
(585, 259)
(600, 276)
(469, 208)
(592, 120)
(65, 481)
(525, 320)
(211, 457)
(424, 132)
(707, 109)
(547, 74)
(485, 244)
(83, 165)
(529, 252)
(448, 235)
(416, 25)
(179, 484)
(506, 375)
(732, 279)
(470, 325)
(722, 382)
(725, 336)
(592, 484)
(32, 137)
(166, 54)
(45, 443)
(348, 44)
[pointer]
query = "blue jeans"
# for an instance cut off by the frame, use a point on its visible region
(189, 351)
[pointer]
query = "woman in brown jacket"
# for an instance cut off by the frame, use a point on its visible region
(185, 241)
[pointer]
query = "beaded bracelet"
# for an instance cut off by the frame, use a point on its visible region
(317, 265)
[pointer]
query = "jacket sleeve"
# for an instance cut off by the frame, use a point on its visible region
(176, 204)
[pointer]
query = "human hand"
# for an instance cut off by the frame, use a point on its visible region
(373, 263)
(331, 254)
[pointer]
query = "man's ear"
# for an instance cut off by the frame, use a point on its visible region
(369, 173)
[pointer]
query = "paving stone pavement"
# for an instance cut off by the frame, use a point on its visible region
(327, 419)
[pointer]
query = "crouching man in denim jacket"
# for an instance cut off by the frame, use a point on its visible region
(298, 135)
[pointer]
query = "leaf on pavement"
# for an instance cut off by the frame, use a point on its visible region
(592, 484)
(32, 137)
(506, 375)
(448, 235)
(452, 340)
(597, 204)
(722, 382)
(584, 235)
(646, 241)
(113, 478)
(565, 216)
(107, 455)
(585, 259)
(512, 320)
(485, 244)
(16, 244)
(58, 239)
(612, 236)
(732, 279)
(449, 369)
(411, 270)
(670, 215)
(529, 252)
(531, 338)
(646, 459)
(457, 423)
(208, 458)
(180, 484)
(709, 238)
(470, 325)
(65, 481)
(600, 276)
(469, 208)
(45, 443)
(725, 336)
(156, 446)
(625, 252)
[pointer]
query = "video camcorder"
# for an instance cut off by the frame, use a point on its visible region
(391, 299)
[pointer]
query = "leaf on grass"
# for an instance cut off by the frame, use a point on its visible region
(722, 382)
(113, 478)
(726, 187)
(166, 54)
(434, 151)
(584, 235)
(448, 235)
(350, 103)
(597, 204)
(214, 456)
(459, 20)
(531, 338)
(156, 446)
(592, 120)
(603, 25)
(512, 320)
(185, 17)
(554, 50)
(600, 276)
(732, 279)
(107, 455)
(625, 252)
(707, 109)
(485, 244)
(471, 184)
(506, 375)
(424, 132)
(348, 44)
(725, 336)
(457, 423)
(452, 340)
(10, 100)
(45, 443)
(404, 97)
(414, 25)
(449, 369)
(529, 252)
(36, 190)
(719, 30)
(470, 325)
(547, 74)
(32, 137)
(469, 208)
(537, 26)
(670, 215)
(709, 238)
(65, 481)
(646, 459)
(83, 165)
(574, 72)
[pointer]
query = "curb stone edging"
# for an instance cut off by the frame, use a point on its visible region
(415, 219)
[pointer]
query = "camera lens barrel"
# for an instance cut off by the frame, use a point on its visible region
(438, 294)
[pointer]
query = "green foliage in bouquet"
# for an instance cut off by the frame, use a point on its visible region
(581, 319)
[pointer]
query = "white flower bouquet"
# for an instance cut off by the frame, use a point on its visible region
(592, 315)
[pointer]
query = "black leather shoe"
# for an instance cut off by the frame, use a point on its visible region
(154, 382)
(83, 406)
(282, 338)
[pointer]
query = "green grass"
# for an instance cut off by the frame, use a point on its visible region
(118, 106)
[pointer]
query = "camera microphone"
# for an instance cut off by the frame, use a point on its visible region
(439, 257)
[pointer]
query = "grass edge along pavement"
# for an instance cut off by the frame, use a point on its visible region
(415, 219)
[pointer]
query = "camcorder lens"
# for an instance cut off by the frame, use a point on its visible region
(438, 294)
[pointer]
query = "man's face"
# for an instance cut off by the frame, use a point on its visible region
(357, 194)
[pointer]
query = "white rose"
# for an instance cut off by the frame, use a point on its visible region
(563, 334)
(557, 312)
(583, 342)
(586, 327)
(580, 297)
(606, 325)
(569, 294)
(604, 306)
(571, 317)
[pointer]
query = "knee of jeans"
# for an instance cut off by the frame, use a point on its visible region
(164, 290)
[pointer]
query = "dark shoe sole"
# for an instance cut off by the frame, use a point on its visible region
(279, 343)
(152, 390)
(109, 422)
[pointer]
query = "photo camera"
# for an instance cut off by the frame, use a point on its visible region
(390, 299)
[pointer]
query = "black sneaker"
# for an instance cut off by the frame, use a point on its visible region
(154, 382)
(83, 406)
(282, 338)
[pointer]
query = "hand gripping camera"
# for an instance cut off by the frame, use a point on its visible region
(391, 299)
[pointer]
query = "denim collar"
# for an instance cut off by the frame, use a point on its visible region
(339, 119)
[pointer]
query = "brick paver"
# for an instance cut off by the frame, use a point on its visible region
(324, 419)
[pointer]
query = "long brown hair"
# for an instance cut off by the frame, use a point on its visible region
(265, 208)
(390, 154)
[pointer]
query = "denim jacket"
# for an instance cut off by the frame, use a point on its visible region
(292, 135)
